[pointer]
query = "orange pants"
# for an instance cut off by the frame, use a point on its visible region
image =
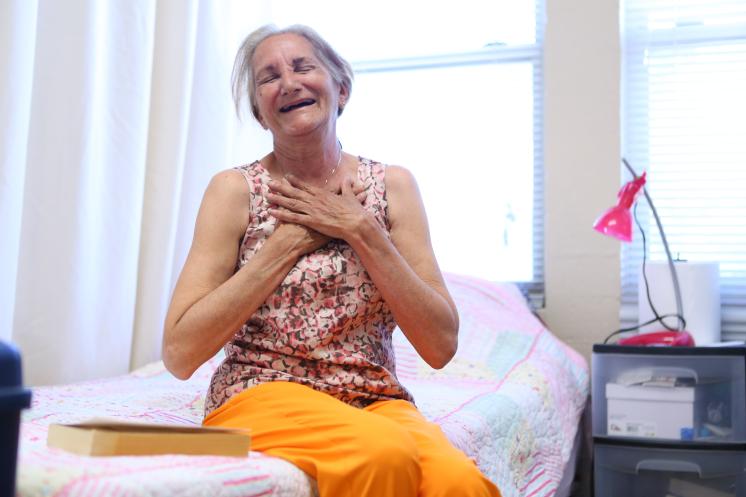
(387, 449)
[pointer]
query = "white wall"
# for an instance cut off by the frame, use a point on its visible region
(582, 152)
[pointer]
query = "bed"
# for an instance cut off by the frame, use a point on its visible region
(512, 399)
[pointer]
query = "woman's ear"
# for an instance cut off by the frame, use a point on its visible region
(343, 96)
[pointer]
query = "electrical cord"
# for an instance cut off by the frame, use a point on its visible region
(657, 317)
(637, 327)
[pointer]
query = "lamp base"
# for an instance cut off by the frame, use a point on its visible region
(664, 338)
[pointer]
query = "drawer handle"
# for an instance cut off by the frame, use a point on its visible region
(668, 465)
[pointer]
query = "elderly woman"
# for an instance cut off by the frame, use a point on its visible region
(301, 266)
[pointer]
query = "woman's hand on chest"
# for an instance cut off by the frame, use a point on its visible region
(334, 214)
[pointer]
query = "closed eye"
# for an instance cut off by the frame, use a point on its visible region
(268, 79)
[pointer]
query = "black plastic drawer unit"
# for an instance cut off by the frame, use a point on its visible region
(669, 470)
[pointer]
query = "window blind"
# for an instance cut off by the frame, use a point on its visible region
(684, 121)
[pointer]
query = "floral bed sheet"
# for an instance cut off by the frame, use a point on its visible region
(512, 399)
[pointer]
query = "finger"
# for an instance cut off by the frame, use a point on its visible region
(287, 216)
(292, 204)
(361, 197)
(284, 187)
(336, 190)
(295, 182)
(359, 187)
(346, 178)
(347, 185)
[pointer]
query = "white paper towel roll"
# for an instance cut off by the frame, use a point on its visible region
(700, 296)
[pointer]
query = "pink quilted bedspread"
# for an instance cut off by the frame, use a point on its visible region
(511, 399)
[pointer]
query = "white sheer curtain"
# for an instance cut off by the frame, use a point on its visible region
(113, 117)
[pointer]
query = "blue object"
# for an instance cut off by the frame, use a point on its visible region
(13, 398)
(687, 433)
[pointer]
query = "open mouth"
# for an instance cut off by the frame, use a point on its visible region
(297, 105)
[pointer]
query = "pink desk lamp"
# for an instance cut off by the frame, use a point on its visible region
(617, 222)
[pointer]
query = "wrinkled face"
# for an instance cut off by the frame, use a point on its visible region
(295, 94)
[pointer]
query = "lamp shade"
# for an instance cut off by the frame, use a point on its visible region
(617, 221)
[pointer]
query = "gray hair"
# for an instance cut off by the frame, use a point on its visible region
(243, 82)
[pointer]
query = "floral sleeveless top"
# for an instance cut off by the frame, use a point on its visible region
(326, 326)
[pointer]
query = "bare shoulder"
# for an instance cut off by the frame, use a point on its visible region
(225, 205)
(405, 207)
(399, 177)
(401, 188)
(228, 183)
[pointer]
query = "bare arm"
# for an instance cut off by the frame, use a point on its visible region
(210, 303)
(407, 273)
(404, 269)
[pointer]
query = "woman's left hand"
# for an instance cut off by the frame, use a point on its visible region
(334, 214)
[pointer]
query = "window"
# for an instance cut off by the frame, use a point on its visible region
(685, 123)
(452, 91)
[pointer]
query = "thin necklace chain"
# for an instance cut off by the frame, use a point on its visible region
(334, 170)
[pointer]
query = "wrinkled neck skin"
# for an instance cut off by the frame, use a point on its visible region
(309, 158)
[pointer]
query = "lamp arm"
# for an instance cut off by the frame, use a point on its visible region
(671, 265)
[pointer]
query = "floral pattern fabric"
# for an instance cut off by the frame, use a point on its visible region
(325, 326)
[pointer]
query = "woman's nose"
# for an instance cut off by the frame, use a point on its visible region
(289, 84)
